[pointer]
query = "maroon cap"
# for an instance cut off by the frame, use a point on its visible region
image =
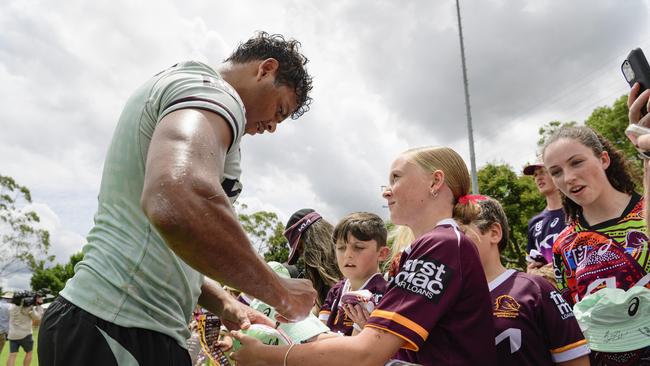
(530, 168)
(297, 224)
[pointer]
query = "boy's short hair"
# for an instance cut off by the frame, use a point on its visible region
(492, 213)
(363, 226)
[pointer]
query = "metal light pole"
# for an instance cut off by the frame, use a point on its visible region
(470, 131)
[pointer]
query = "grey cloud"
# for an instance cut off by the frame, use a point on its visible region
(516, 55)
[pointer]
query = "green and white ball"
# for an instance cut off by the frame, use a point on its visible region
(266, 335)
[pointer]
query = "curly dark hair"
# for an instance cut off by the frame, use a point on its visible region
(619, 174)
(291, 71)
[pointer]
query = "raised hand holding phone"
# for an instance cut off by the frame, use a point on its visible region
(637, 73)
(635, 69)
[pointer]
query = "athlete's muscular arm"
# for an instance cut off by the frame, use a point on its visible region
(183, 199)
(232, 313)
(372, 347)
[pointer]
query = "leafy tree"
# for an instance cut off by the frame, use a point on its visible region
(611, 123)
(265, 231)
(54, 278)
(22, 243)
(520, 200)
(278, 246)
(548, 129)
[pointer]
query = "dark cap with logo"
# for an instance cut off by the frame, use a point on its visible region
(298, 223)
(529, 169)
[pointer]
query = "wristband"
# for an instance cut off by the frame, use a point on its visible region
(357, 327)
(286, 355)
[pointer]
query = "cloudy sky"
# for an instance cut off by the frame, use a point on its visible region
(387, 77)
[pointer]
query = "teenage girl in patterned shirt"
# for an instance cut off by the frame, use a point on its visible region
(605, 243)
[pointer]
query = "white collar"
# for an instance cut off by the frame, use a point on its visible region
(500, 279)
(448, 221)
(346, 285)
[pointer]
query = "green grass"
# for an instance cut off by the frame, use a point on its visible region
(21, 354)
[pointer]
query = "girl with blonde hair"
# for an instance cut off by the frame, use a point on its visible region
(400, 237)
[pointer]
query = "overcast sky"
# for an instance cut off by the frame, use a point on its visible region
(387, 77)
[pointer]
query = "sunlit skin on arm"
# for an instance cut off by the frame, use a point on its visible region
(183, 199)
(233, 314)
(372, 347)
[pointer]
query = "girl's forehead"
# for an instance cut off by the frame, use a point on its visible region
(565, 147)
(402, 162)
(399, 160)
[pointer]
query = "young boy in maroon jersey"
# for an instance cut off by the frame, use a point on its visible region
(360, 242)
(533, 324)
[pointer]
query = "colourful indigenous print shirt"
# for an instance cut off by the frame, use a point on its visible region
(613, 253)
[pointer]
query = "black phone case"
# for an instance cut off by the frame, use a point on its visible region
(641, 69)
(639, 65)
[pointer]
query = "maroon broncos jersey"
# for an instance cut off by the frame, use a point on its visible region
(533, 324)
(439, 302)
(331, 312)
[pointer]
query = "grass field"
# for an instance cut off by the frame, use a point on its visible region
(21, 353)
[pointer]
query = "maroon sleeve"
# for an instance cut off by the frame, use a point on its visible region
(426, 286)
(562, 332)
(377, 287)
(332, 296)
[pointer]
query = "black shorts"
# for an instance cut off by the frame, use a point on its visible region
(26, 343)
(70, 335)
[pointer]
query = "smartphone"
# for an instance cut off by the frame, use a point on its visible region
(635, 69)
(633, 131)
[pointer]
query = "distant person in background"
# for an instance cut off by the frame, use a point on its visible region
(4, 321)
(312, 249)
(544, 227)
(21, 318)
